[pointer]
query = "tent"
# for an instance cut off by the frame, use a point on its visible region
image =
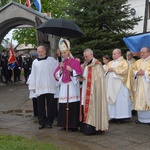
(136, 42)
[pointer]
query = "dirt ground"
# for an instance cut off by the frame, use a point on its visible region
(16, 119)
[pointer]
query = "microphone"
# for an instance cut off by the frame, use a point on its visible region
(62, 59)
(61, 63)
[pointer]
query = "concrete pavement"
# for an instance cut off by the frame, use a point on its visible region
(16, 119)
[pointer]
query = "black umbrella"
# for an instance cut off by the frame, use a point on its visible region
(60, 27)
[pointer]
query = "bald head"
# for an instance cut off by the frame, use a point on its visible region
(116, 53)
(41, 51)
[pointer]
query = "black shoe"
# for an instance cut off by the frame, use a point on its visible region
(34, 116)
(63, 129)
(134, 113)
(10, 81)
(42, 126)
(137, 122)
(73, 129)
(112, 121)
(119, 121)
(49, 126)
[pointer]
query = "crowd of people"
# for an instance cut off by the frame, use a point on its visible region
(23, 62)
(81, 101)
(89, 95)
(127, 85)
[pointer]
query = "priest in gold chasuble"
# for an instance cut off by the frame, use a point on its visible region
(119, 89)
(141, 70)
(95, 110)
(131, 60)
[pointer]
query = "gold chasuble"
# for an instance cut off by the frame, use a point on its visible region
(131, 62)
(95, 107)
(122, 70)
(142, 85)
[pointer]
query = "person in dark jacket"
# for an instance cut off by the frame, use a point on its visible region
(27, 63)
(4, 66)
(18, 67)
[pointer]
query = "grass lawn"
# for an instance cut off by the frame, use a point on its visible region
(8, 142)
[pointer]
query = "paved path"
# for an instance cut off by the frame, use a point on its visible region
(16, 119)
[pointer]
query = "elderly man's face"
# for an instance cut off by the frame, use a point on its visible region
(88, 56)
(129, 56)
(115, 55)
(41, 52)
(144, 53)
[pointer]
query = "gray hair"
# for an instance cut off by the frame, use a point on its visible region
(118, 50)
(148, 50)
(88, 50)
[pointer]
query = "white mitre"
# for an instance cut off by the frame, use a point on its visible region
(64, 44)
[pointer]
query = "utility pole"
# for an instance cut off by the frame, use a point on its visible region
(145, 16)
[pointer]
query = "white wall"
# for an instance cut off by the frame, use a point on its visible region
(139, 6)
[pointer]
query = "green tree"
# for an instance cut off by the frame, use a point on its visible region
(4, 2)
(25, 36)
(1, 47)
(104, 23)
(5, 44)
(55, 7)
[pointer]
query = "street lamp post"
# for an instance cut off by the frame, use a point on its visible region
(145, 16)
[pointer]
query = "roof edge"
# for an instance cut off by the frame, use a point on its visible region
(25, 8)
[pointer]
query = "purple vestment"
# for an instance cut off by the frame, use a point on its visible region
(74, 64)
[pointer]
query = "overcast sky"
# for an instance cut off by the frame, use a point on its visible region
(9, 35)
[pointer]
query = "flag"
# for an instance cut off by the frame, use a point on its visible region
(136, 42)
(37, 4)
(28, 3)
(12, 59)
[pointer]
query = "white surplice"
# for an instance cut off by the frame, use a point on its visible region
(74, 90)
(41, 78)
(131, 62)
(31, 92)
(119, 103)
